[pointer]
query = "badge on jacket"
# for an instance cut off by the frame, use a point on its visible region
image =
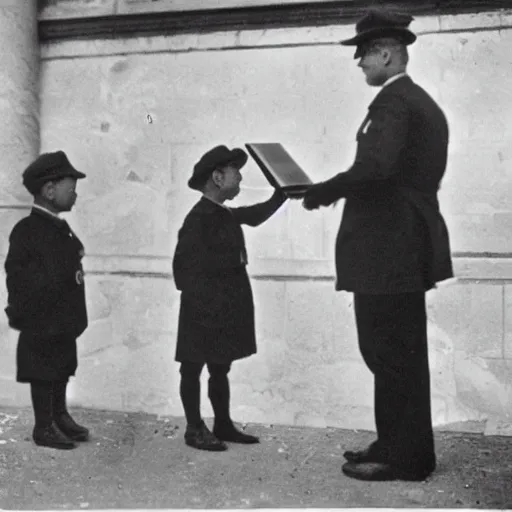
(366, 126)
(363, 128)
(79, 277)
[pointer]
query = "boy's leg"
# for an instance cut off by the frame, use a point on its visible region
(197, 434)
(46, 432)
(219, 394)
(61, 415)
(190, 392)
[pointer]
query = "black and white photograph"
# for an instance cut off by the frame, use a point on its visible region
(255, 254)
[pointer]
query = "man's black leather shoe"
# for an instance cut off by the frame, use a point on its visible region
(52, 437)
(379, 472)
(72, 429)
(370, 454)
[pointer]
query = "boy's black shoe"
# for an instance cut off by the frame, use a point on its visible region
(52, 437)
(228, 432)
(201, 438)
(70, 428)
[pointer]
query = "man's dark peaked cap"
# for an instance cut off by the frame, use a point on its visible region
(49, 167)
(378, 24)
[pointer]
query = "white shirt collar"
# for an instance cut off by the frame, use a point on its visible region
(43, 209)
(393, 79)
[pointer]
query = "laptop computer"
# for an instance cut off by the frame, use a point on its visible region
(280, 168)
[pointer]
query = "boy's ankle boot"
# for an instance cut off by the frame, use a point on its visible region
(62, 417)
(46, 432)
(225, 430)
(52, 437)
(199, 436)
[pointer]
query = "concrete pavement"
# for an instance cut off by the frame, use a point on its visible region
(138, 461)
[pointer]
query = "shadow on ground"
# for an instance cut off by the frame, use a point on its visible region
(141, 461)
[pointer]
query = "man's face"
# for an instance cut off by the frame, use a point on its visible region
(229, 182)
(62, 194)
(373, 63)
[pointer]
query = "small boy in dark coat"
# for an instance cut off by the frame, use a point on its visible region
(216, 322)
(46, 298)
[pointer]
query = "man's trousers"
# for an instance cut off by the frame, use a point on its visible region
(392, 332)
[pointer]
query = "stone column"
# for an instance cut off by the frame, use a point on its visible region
(19, 145)
(19, 88)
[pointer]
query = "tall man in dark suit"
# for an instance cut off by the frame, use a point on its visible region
(392, 246)
(46, 298)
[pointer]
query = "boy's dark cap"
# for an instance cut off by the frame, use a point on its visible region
(216, 158)
(49, 167)
(378, 24)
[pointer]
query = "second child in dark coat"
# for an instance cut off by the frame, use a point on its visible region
(46, 298)
(216, 322)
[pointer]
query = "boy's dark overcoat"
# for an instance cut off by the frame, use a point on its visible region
(46, 296)
(216, 322)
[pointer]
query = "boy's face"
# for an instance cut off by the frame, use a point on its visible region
(229, 181)
(61, 194)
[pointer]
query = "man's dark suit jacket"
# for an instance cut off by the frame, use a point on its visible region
(393, 238)
(46, 296)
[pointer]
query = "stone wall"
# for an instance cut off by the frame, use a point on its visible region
(136, 114)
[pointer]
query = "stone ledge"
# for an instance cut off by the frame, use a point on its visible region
(251, 37)
(485, 269)
(475, 269)
(63, 9)
(134, 266)
(102, 19)
(144, 6)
